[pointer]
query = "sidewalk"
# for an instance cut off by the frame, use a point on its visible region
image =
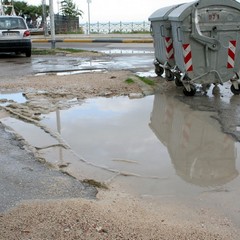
(114, 38)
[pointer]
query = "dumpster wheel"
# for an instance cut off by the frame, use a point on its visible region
(191, 92)
(169, 75)
(234, 90)
(159, 70)
(178, 81)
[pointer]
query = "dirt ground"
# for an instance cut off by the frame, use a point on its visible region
(115, 214)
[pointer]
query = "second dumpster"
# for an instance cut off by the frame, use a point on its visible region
(163, 43)
(206, 38)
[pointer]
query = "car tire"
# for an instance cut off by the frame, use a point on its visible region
(28, 53)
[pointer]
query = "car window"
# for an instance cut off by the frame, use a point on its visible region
(12, 23)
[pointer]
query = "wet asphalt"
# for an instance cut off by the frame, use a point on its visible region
(23, 177)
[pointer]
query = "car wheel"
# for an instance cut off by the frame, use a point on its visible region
(28, 53)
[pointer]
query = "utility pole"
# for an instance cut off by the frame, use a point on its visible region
(44, 16)
(88, 2)
(53, 40)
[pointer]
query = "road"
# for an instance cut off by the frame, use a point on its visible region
(99, 46)
(118, 56)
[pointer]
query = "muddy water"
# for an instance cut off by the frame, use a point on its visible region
(155, 146)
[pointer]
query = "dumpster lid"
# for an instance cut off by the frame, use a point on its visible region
(181, 12)
(162, 13)
(184, 10)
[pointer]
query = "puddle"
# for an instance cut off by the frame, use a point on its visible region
(163, 146)
(76, 65)
(155, 146)
(147, 74)
(65, 73)
(123, 51)
(81, 71)
(10, 97)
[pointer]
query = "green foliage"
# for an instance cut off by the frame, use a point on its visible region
(129, 80)
(22, 8)
(146, 80)
(69, 8)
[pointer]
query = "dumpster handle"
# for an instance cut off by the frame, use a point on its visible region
(211, 43)
(151, 30)
(179, 34)
(205, 74)
(162, 31)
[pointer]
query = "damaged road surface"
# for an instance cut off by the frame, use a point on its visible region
(23, 178)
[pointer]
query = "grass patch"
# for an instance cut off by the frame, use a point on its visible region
(147, 80)
(129, 81)
(38, 51)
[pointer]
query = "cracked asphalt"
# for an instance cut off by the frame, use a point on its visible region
(24, 178)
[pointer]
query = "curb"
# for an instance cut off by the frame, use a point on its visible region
(95, 40)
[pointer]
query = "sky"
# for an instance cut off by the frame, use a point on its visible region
(116, 10)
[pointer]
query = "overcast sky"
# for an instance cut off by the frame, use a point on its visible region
(116, 10)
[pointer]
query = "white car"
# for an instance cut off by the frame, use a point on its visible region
(15, 35)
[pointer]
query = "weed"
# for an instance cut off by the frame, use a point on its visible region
(129, 80)
(146, 80)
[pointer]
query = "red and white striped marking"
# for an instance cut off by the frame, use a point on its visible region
(187, 54)
(231, 54)
(169, 48)
(168, 115)
(186, 133)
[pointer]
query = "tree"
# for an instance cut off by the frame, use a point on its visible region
(69, 8)
(7, 7)
(29, 12)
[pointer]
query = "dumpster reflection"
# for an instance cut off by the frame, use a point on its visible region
(200, 153)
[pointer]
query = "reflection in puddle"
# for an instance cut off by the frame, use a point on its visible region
(200, 153)
(163, 147)
(16, 97)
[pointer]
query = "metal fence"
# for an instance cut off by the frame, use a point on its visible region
(116, 27)
(63, 25)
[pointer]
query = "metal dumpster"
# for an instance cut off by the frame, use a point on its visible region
(206, 38)
(162, 36)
